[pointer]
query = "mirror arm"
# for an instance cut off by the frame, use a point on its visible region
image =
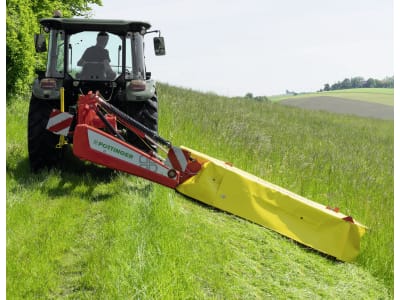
(153, 31)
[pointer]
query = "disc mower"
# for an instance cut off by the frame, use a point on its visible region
(106, 108)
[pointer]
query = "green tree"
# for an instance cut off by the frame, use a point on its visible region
(346, 84)
(19, 46)
(357, 82)
(388, 82)
(336, 86)
(370, 83)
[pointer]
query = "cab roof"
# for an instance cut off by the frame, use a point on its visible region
(76, 25)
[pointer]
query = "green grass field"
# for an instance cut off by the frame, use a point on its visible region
(86, 232)
(374, 95)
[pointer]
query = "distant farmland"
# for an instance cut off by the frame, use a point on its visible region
(373, 103)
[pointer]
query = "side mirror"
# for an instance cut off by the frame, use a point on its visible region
(40, 43)
(159, 45)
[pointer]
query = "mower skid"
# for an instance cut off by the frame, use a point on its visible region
(235, 191)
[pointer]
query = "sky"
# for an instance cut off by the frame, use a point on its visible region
(263, 47)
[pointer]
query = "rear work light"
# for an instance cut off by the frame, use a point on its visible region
(137, 85)
(48, 83)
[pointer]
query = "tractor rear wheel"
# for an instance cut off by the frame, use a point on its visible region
(41, 142)
(146, 113)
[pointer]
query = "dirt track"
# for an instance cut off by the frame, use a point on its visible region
(343, 106)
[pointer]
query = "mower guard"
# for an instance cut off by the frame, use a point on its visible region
(232, 190)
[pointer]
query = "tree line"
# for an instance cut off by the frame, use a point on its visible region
(360, 82)
(21, 23)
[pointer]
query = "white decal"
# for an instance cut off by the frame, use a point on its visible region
(112, 148)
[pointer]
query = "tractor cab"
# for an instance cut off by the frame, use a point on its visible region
(107, 55)
(90, 55)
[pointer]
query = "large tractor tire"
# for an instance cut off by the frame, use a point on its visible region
(146, 113)
(41, 142)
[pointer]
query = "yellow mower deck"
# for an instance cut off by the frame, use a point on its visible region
(235, 191)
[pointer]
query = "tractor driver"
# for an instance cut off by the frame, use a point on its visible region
(98, 54)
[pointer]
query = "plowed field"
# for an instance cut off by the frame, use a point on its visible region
(343, 106)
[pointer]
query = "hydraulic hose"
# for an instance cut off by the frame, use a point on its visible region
(132, 122)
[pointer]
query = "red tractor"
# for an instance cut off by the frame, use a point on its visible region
(103, 56)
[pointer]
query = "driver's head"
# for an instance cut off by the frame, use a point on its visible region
(102, 39)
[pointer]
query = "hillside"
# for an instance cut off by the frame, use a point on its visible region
(383, 96)
(87, 232)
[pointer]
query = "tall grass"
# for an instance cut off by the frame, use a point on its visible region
(341, 161)
(87, 232)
